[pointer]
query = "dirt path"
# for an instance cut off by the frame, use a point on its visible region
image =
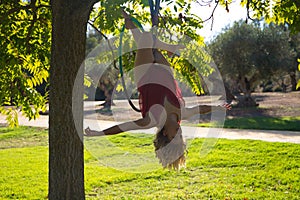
(272, 104)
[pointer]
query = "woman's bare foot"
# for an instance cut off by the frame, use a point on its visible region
(128, 22)
(125, 15)
(174, 50)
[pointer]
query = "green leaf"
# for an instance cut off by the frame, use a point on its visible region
(11, 116)
(298, 84)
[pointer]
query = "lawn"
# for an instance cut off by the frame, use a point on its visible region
(233, 169)
(261, 123)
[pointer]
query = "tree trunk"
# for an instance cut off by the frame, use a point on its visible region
(108, 89)
(293, 81)
(228, 96)
(66, 176)
(106, 110)
(108, 100)
(246, 100)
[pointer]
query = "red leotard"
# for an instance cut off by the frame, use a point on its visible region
(155, 86)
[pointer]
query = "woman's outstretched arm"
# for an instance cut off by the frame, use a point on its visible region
(202, 109)
(143, 123)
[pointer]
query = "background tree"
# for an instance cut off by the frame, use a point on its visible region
(249, 54)
(275, 55)
(232, 52)
(282, 12)
(92, 40)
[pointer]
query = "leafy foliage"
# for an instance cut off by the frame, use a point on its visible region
(288, 12)
(252, 52)
(25, 49)
(285, 12)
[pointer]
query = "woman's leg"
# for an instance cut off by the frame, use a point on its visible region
(147, 51)
(170, 48)
(144, 54)
(157, 44)
(159, 58)
(131, 26)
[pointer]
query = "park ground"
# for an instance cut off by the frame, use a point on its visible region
(271, 104)
(232, 169)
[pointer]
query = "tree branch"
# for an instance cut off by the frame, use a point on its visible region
(102, 34)
(248, 10)
(13, 10)
(204, 3)
(30, 30)
(212, 14)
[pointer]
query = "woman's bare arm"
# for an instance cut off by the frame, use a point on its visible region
(143, 123)
(202, 109)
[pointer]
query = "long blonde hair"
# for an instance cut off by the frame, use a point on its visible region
(171, 154)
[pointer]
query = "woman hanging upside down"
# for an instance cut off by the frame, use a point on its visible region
(160, 99)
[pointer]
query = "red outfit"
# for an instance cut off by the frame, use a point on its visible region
(155, 86)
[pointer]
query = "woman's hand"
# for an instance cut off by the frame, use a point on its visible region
(91, 133)
(226, 106)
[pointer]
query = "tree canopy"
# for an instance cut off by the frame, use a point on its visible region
(25, 40)
(248, 54)
(281, 12)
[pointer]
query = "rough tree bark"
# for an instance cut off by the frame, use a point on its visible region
(245, 85)
(108, 88)
(66, 176)
(293, 81)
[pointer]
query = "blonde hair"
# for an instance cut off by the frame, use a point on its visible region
(171, 154)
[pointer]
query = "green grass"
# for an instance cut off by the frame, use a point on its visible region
(23, 163)
(233, 169)
(22, 137)
(261, 123)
